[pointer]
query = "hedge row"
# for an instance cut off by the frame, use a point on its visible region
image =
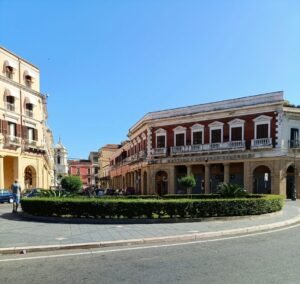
(166, 196)
(138, 208)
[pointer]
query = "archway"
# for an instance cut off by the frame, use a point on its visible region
(30, 177)
(161, 180)
(262, 180)
(290, 180)
(145, 183)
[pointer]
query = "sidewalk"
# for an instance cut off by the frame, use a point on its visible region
(18, 233)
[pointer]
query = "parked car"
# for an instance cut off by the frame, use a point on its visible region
(33, 193)
(6, 196)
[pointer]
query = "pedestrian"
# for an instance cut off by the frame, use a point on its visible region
(16, 189)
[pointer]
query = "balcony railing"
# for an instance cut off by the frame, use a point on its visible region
(294, 143)
(10, 106)
(261, 143)
(30, 143)
(159, 152)
(232, 146)
(12, 140)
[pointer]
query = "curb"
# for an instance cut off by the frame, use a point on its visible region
(185, 237)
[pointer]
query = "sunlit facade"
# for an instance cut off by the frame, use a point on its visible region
(26, 142)
(251, 141)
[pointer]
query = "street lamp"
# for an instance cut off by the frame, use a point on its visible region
(294, 198)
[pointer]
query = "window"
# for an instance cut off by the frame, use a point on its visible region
(216, 136)
(197, 137)
(216, 132)
(161, 137)
(10, 103)
(161, 141)
(58, 160)
(9, 71)
(29, 110)
(89, 171)
(78, 171)
(262, 131)
(12, 129)
(294, 142)
(236, 134)
(28, 81)
(179, 139)
(262, 127)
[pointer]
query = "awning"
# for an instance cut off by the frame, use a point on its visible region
(29, 73)
(30, 100)
(10, 64)
(12, 92)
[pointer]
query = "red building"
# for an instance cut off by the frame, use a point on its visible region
(83, 169)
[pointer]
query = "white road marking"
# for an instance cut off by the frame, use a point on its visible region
(60, 238)
(146, 247)
(193, 231)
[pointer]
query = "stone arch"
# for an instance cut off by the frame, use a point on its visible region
(30, 177)
(161, 182)
(262, 179)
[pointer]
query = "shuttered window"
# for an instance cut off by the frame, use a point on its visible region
(197, 138)
(179, 139)
(262, 131)
(236, 133)
(216, 136)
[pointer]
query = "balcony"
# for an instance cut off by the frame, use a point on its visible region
(30, 143)
(262, 143)
(203, 148)
(12, 141)
(159, 152)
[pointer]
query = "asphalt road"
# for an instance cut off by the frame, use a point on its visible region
(272, 257)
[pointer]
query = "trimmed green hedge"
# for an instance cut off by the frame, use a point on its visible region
(151, 208)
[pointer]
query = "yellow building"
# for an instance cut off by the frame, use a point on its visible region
(25, 140)
(104, 155)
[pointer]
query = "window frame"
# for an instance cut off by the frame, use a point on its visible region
(262, 119)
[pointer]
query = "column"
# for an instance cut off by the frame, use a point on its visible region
(1, 172)
(207, 179)
(226, 172)
(171, 179)
(248, 177)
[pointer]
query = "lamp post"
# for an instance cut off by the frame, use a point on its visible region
(294, 198)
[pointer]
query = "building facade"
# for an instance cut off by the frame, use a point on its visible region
(61, 163)
(25, 140)
(93, 157)
(104, 155)
(251, 141)
(83, 169)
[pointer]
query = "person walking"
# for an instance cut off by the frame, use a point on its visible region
(16, 189)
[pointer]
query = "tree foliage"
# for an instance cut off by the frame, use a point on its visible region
(187, 181)
(228, 190)
(71, 183)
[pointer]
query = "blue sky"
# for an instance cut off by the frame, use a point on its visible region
(107, 63)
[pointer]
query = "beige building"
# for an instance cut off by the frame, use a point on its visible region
(104, 155)
(26, 143)
(251, 141)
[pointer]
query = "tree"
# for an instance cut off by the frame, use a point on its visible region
(187, 182)
(71, 183)
(228, 190)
